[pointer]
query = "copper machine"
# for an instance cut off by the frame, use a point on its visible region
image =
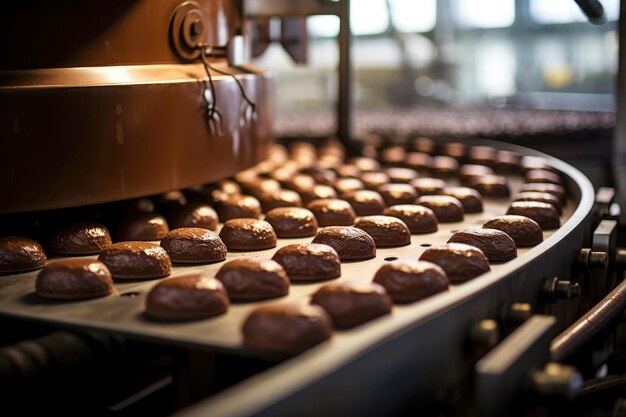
(106, 101)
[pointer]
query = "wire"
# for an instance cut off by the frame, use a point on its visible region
(594, 386)
(208, 68)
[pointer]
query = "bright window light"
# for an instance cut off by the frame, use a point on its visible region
(485, 13)
(323, 26)
(412, 16)
(369, 17)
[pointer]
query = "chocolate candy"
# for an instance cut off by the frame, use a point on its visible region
(19, 254)
(282, 198)
(523, 230)
(397, 194)
(470, 199)
(541, 198)
(74, 279)
(469, 171)
(386, 231)
(142, 226)
(409, 281)
(428, 186)
(332, 212)
(187, 297)
(349, 242)
(309, 262)
(365, 202)
(447, 209)
(543, 176)
(350, 305)
(136, 260)
(251, 279)
(191, 245)
(373, 180)
(461, 262)
(85, 238)
(319, 192)
(444, 166)
(495, 244)
(194, 215)
(265, 329)
(544, 214)
(491, 186)
(543, 187)
(239, 207)
(419, 219)
(401, 175)
(248, 234)
(289, 222)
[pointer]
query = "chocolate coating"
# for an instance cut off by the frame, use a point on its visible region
(428, 186)
(523, 230)
(397, 194)
(461, 262)
(348, 171)
(373, 180)
(286, 328)
(419, 219)
(74, 279)
(485, 155)
(419, 161)
(365, 202)
(401, 175)
(299, 182)
(258, 187)
(282, 198)
(541, 198)
(347, 185)
(456, 150)
(250, 279)
(142, 226)
(447, 209)
(321, 175)
(349, 242)
(309, 262)
(85, 238)
(470, 171)
(365, 164)
(19, 254)
(194, 215)
(470, 199)
(508, 162)
(386, 231)
(188, 297)
(543, 176)
(554, 189)
(444, 166)
(491, 186)
(409, 281)
(350, 305)
(319, 192)
(495, 244)
(192, 245)
(290, 222)
(239, 207)
(544, 214)
(332, 212)
(248, 234)
(136, 260)
(393, 155)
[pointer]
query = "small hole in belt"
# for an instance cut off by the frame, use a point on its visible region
(425, 245)
(130, 294)
(391, 258)
(453, 231)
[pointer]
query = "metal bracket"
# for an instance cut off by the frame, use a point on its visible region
(505, 369)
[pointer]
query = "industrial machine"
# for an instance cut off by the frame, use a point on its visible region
(135, 98)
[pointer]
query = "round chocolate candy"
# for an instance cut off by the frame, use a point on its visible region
(142, 226)
(74, 279)
(447, 209)
(470, 199)
(239, 207)
(386, 231)
(365, 202)
(194, 215)
(419, 219)
(85, 238)
(409, 281)
(332, 212)
(544, 214)
(397, 194)
(19, 254)
(309, 261)
(291, 222)
(523, 230)
(136, 260)
(248, 234)
(349, 242)
(251, 279)
(461, 262)
(192, 245)
(495, 244)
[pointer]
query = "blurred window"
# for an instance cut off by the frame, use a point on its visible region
(485, 13)
(411, 16)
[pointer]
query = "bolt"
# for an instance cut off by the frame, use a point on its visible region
(197, 27)
(593, 260)
(555, 289)
(518, 313)
(557, 379)
(484, 335)
(566, 290)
